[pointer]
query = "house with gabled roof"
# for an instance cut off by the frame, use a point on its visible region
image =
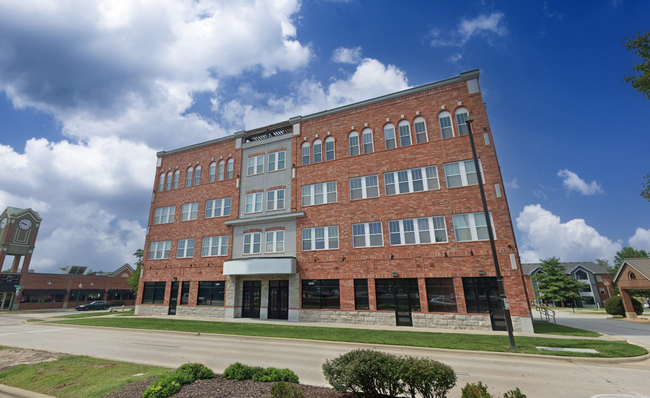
(633, 274)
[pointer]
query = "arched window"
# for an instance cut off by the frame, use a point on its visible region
(188, 177)
(222, 167)
(420, 127)
(581, 275)
(353, 140)
(169, 181)
(161, 184)
(329, 148)
(446, 130)
(461, 115)
(389, 136)
(318, 151)
(197, 175)
(404, 133)
(230, 168)
(632, 275)
(305, 153)
(177, 176)
(213, 171)
(366, 137)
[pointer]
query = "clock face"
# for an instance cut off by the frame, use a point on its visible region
(3, 223)
(25, 224)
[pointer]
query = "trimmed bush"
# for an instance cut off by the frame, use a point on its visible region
(239, 371)
(478, 390)
(168, 385)
(516, 393)
(284, 390)
(614, 306)
(426, 377)
(198, 370)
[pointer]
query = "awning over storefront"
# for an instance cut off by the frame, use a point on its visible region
(48, 292)
(260, 266)
(88, 291)
(7, 287)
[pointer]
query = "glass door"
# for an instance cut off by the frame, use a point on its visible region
(251, 295)
(5, 301)
(173, 299)
(278, 299)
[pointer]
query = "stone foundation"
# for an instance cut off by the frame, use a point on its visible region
(201, 311)
(151, 310)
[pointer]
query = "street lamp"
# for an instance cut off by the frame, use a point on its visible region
(78, 294)
(495, 258)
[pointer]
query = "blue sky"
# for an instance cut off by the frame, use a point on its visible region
(90, 90)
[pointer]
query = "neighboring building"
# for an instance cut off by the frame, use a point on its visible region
(598, 284)
(27, 290)
(633, 274)
(368, 213)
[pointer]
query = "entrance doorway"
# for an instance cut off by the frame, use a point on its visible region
(5, 301)
(482, 296)
(251, 298)
(278, 299)
(173, 299)
(400, 295)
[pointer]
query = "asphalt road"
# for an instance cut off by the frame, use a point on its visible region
(638, 332)
(534, 376)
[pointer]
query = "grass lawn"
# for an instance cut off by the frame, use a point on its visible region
(77, 376)
(551, 328)
(477, 342)
(94, 314)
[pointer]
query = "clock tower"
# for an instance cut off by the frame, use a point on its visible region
(18, 230)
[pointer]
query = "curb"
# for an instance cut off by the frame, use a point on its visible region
(13, 392)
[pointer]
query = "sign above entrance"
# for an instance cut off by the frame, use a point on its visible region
(10, 278)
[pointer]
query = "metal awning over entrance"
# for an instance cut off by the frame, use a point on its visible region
(260, 266)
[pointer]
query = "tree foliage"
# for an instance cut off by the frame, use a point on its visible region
(621, 255)
(554, 285)
(645, 192)
(641, 47)
(134, 280)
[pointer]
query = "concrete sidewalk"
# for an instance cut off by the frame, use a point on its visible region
(12, 392)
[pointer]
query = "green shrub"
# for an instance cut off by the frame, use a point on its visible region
(275, 374)
(198, 370)
(237, 371)
(284, 390)
(426, 377)
(478, 390)
(614, 306)
(164, 386)
(516, 393)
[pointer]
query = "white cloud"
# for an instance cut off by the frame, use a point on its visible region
(545, 236)
(641, 239)
(486, 26)
(347, 55)
(574, 183)
(512, 184)
(454, 58)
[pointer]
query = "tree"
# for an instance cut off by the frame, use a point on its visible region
(645, 192)
(134, 280)
(641, 47)
(626, 252)
(554, 285)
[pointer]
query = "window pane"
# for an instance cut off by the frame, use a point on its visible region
(329, 149)
(354, 145)
(333, 237)
(418, 184)
(331, 192)
(402, 177)
(404, 135)
(393, 229)
(305, 154)
(389, 137)
(317, 152)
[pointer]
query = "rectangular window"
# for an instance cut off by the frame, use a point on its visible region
(389, 137)
(211, 293)
(420, 131)
(317, 194)
(320, 238)
(361, 294)
(221, 170)
(153, 293)
(463, 173)
(413, 180)
(217, 208)
(329, 149)
(215, 246)
(275, 200)
(321, 294)
(417, 231)
(388, 291)
(364, 187)
(404, 135)
(253, 243)
(159, 250)
(277, 160)
(471, 226)
(275, 241)
(354, 143)
(367, 235)
(445, 126)
(254, 202)
(256, 165)
(599, 278)
(462, 125)
(318, 152)
(185, 293)
(305, 154)
(441, 295)
(164, 215)
(366, 138)
(185, 248)
(189, 211)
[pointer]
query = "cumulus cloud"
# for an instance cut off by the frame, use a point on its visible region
(574, 183)
(486, 26)
(512, 184)
(544, 235)
(347, 55)
(641, 239)
(454, 58)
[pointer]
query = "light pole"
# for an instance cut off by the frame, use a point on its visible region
(78, 294)
(495, 258)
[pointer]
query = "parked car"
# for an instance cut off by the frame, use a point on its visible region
(95, 305)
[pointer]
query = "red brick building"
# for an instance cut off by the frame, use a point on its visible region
(367, 213)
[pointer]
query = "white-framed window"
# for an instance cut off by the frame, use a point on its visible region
(185, 248)
(305, 153)
(461, 115)
(256, 165)
(189, 211)
(217, 207)
(253, 243)
(601, 290)
(446, 129)
(277, 160)
(329, 148)
(168, 186)
(364, 187)
(404, 133)
(367, 235)
(320, 238)
(318, 151)
(221, 170)
(599, 278)
(161, 183)
(317, 194)
(177, 177)
(366, 138)
(353, 141)
(275, 200)
(460, 174)
(213, 172)
(159, 250)
(189, 176)
(389, 136)
(197, 175)
(417, 231)
(230, 167)
(420, 127)
(215, 246)
(164, 215)
(275, 241)
(254, 202)
(471, 226)
(412, 180)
